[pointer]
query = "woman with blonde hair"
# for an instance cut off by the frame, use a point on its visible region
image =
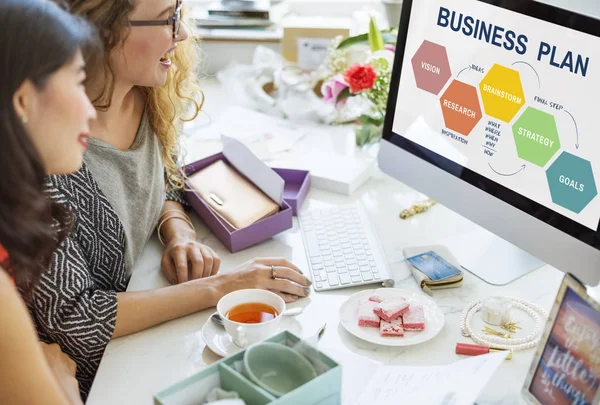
(142, 91)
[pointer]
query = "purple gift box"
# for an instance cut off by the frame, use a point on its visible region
(297, 183)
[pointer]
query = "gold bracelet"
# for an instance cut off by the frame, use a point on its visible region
(173, 210)
(186, 219)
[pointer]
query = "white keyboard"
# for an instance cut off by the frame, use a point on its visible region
(342, 248)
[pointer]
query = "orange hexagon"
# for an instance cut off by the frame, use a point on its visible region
(460, 107)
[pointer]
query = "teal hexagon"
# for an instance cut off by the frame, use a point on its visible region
(536, 136)
(571, 182)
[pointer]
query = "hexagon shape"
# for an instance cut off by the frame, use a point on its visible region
(571, 182)
(431, 67)
(460, 107)
(536, 136)
(502, 93)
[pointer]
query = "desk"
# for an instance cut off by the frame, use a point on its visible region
(137, 366)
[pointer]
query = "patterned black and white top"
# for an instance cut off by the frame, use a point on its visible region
(75, 302)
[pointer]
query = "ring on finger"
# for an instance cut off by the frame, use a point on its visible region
(273, 272)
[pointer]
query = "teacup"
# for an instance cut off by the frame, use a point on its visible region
(245, 334)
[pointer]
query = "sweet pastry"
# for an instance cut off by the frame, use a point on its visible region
(393, 328)
(414, 319)
(391, 309)
(366, 316)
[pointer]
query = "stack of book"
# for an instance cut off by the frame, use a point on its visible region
(235, 13)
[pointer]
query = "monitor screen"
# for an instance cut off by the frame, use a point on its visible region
(504, 97)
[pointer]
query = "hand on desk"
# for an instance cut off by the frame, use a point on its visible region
(258, 273)
(186, 259)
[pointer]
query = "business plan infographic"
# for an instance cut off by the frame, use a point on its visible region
(511, 97)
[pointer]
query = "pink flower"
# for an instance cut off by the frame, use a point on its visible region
(390, 47)
(360, 77)
(332, 88)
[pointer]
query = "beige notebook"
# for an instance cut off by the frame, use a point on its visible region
(232, 197)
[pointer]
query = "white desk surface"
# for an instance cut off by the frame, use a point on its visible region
(136, 367)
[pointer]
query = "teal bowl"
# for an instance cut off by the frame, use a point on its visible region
(277, 368)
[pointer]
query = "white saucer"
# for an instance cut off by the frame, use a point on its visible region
(434, 318)
(220, 342)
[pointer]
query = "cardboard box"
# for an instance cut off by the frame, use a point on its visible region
(306, 39)
(324, 390)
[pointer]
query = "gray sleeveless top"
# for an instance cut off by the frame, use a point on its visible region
(133, 181)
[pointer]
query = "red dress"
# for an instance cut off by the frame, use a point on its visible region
(3, 258)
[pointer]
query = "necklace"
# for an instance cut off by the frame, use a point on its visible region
(539, 315)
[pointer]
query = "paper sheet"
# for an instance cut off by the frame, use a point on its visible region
(459, 383)
(270, 135)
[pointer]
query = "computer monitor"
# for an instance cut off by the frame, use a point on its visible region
(494, 112)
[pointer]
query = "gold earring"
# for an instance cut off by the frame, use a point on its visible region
(24, 119)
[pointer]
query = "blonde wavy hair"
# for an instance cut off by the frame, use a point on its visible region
(168, 106)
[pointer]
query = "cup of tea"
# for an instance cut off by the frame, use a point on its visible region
(250, 316)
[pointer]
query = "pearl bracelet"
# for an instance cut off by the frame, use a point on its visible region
(535, 311)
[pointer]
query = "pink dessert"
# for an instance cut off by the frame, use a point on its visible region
(393, 328)
(414, 319)
(392, 308)
(376, 298)
(366, 317)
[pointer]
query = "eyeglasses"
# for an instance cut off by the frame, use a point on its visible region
(174, 20)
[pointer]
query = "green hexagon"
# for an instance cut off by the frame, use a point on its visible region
(536, 136)
(571, 182)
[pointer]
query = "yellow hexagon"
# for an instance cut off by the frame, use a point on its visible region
(502, 93)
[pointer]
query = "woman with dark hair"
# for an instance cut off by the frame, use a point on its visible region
(44, 122)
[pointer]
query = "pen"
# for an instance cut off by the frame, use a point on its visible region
(475, 350)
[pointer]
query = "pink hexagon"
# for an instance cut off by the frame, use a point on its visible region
(431, 67)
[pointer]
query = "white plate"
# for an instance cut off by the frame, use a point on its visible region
(434, 318)
(220, 342)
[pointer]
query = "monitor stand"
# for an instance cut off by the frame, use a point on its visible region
(491, 258)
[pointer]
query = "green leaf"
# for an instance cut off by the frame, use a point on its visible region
(388, 36)
(344, 94)
(375, 39)
(367, 119)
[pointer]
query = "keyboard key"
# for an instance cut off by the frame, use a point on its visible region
(342, 269)
(377, 276)
(364, 269)
(316, 260)
(367, 276)
(352, 267)
(313, 247)
(356, 279)
(333, 279)
(328, 263)
(319, 285)
(318, 266)
(344, 279)
(355, 273)
(330, 269)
